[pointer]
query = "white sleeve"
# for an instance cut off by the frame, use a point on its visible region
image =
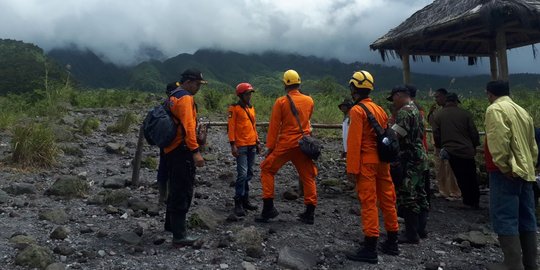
(345, 132)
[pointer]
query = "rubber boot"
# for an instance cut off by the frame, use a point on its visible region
(162, 188)
(178, 226)
(511, 249)
(368, 253)
(268, 211)
(247, 205)
(528, 248)
(411, 228)
(422, 222)
(390, 246)
(238, 208)
(308, 216)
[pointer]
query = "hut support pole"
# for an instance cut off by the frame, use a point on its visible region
(406, 67)
(500, 42)
(493, 65)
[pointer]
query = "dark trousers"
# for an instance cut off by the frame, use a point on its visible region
(181, 174)
(465, 171)
(162, 168)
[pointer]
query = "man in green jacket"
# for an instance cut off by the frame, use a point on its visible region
(511, 156)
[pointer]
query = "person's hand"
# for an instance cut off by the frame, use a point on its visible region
(351, 177)
(268, 152)
(199, 161)
(234, 150)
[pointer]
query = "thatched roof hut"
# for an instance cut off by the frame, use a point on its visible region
(469, 28)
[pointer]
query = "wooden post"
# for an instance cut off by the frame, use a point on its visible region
(406, 67)
(493, 65)
(500, 41)
(136, 163)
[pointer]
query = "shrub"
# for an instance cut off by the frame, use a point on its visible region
(89, 125)
(123, 123)
(150, 163)
(34, 145)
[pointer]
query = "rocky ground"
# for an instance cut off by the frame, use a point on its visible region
(85, 214)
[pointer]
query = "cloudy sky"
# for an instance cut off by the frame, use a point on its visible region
(118, 29)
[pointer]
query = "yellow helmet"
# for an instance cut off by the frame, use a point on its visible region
(362, 79)
(291, 77)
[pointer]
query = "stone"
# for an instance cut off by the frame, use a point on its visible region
(290, 195)
(20, 189)
(116, 197)
(204, 217)
(248, 266)
(114, 148)
(109, 209)
(60, 233)
(102, 234)
(130, 238)
(56, 216)
(137, 204)
(114, 182)
(102, 253)
(22, 241)
(35, 257)
(296, 259)
(56, 266)
(4, 197)
(210, 157)
(226, 176)
(69, 187)
(64, 249)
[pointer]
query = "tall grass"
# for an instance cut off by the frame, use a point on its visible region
(33, 145)
(123, 123)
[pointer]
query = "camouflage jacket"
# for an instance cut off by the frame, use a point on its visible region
(410, 128)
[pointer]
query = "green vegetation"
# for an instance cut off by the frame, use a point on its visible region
(123, 123)
(89, 125)
(149, 163)
(34, 146)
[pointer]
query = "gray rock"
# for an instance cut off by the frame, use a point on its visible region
(56, 266)
(138, 204)
(57, 216)
(290, 195)
(64, 249)
(205, 218)
(62, 134)
(34, 256)
(248, 266)
(476, 238)
(4, 197)
(60, 233)
(102, 234)
(116, 197)
(69, 187)
(114, 148)
(22, 241)
(255, 251)
(111, 210)
(20, 189)
(210, 157)
(296, 259)
(130, 238)
(114, 182)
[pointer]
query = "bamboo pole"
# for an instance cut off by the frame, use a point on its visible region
(500, 41)
(406, 67)
(493, 65)
(137, 159)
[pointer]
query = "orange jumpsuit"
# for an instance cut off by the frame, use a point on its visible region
(283, 136)
(241, 126)
(373, 181)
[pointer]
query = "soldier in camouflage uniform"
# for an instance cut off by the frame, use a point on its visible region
(411, 195)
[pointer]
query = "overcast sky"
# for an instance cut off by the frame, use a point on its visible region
(118, 29)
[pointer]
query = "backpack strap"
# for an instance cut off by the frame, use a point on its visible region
(378, 129)
(250, 120)
(295, 113)
(177, 93)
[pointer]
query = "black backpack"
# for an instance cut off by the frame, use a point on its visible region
(387, 140)
(159, 125)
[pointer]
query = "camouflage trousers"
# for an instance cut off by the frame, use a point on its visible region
(411, 191)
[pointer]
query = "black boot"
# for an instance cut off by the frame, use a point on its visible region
(411, 228)
(162, 188)
(167, 225)
(422, 222)
(528, 249)
(390, 246)
(178, 226)
(247, 205)
(268, 211)
(366, 254)
(238, 209)
(308, 216)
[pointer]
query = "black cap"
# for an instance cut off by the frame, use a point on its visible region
(397, 89)
(192, 75)
(346, 102)
(452, 97)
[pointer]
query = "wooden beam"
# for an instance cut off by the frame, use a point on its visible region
(406, 67)
(493, 65)
(500, 42)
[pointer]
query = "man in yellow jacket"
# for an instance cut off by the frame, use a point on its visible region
(282, 143)
(511, 156)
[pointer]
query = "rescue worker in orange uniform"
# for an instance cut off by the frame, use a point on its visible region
(282, 143)
(372, 177)
(244, 142)
(182, 156)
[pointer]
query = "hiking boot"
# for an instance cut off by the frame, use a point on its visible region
(167, 225)
(511, 249)
(528, 247)
(238, 209)
(187, 240)
(247, 205)
(268, 211)
(368, 253)
(411, 228)
(390, 246)
(422, 222)
(308, 216)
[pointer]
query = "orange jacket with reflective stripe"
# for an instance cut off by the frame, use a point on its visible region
(241, 130)
(183, 109)
(362, 139)
(283, 130)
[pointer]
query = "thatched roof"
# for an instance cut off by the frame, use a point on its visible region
(463, 28)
